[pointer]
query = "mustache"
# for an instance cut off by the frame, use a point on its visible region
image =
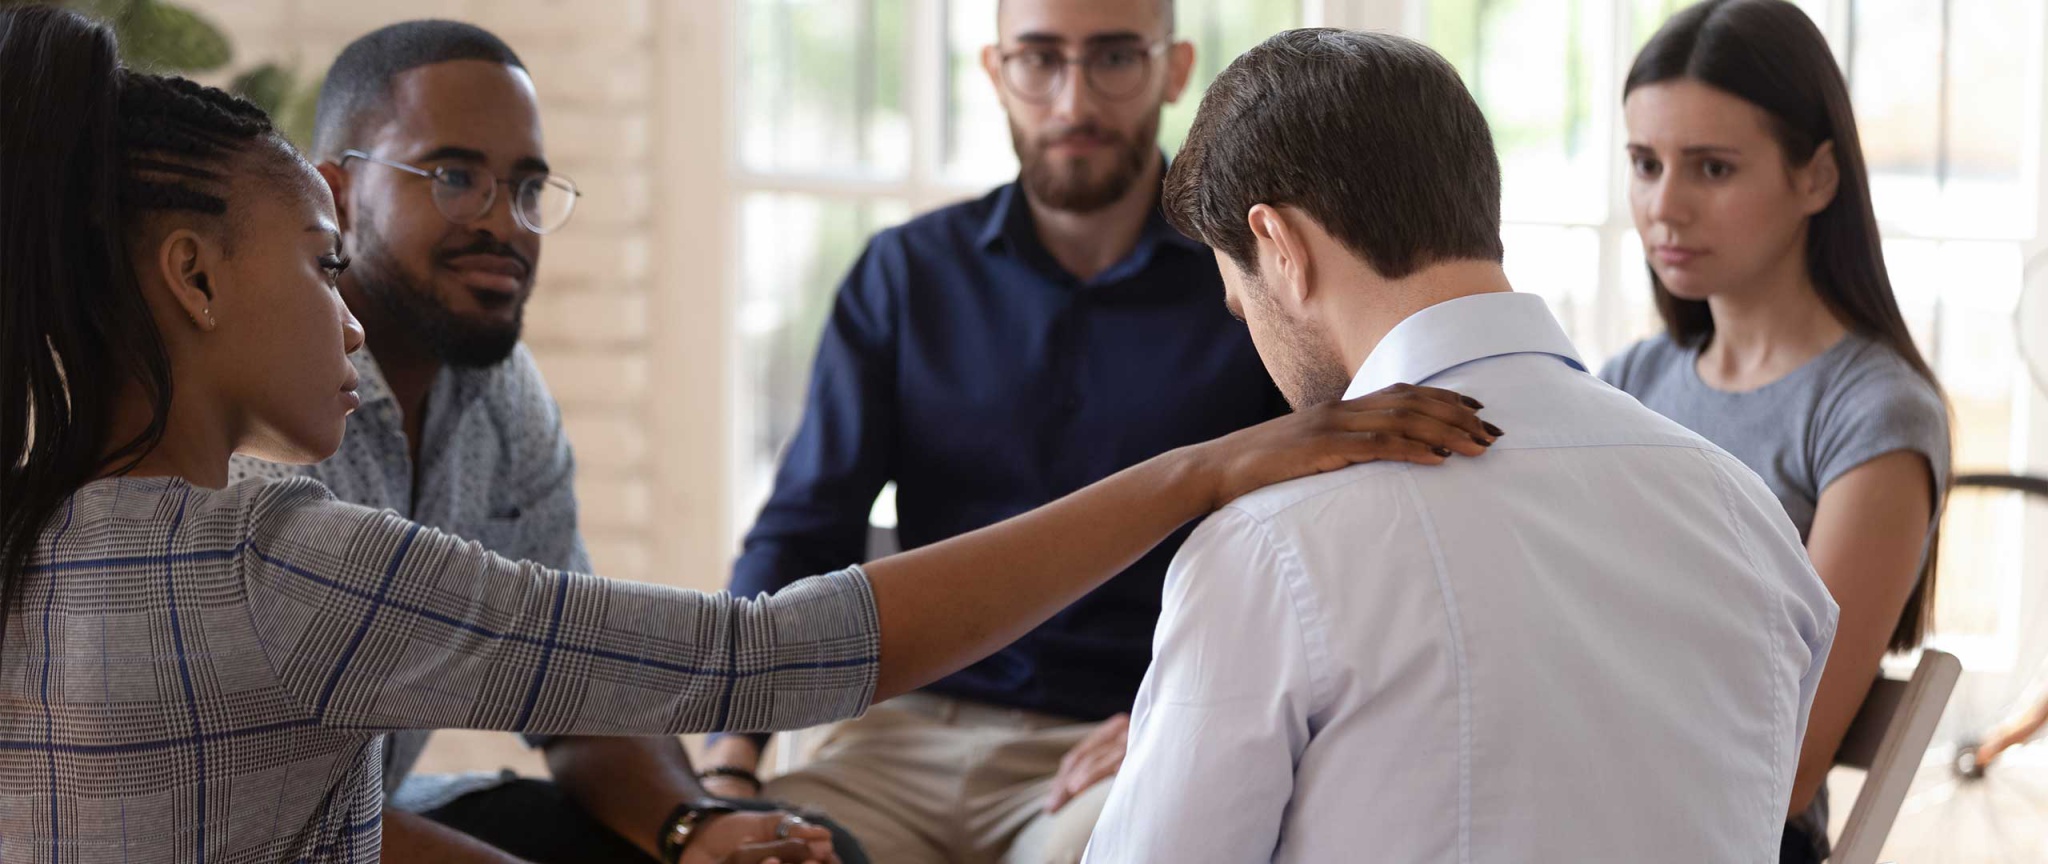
(1087, 131)
(486, 245)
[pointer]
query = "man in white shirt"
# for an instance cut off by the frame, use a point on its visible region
(1598, 642)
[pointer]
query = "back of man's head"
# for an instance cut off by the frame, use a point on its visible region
(1373, 136)
(357, 93)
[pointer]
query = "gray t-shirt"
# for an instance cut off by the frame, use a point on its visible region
(1855, 402)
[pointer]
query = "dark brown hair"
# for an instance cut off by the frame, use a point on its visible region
(1769, 53)
(1372, 135)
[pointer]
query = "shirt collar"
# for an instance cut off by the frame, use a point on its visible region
(458, 384)
(1456, 332)
(997, 229)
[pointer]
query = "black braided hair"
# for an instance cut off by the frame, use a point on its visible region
(87, 150)
(174, 136)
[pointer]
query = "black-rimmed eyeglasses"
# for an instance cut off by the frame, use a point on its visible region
(1113, 72)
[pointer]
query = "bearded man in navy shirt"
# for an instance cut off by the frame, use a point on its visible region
(988, 358)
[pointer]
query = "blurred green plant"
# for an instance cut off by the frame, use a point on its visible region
(276, 89)
(170, 39)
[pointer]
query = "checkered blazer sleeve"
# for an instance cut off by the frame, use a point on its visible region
(376, 623)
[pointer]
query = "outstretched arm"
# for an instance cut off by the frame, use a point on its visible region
(945, 604)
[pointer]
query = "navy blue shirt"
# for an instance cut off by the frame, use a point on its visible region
(964, 363)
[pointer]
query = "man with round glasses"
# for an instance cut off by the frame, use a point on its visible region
(429, 134)
(988, 358)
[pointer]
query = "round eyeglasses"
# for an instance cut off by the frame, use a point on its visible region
(541, 203)
(1117, 72)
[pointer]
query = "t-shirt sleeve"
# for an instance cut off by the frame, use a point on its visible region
(1880, 408)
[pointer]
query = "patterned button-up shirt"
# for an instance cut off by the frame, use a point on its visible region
(494, 467)
(195, 675)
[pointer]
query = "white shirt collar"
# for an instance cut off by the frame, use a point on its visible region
(1456, 332)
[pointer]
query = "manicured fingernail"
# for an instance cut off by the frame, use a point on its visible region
(1491, 429)
(1442, 451)
(1482, 442)
(1471, 402)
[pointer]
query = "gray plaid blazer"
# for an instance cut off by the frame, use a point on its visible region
(202, 676)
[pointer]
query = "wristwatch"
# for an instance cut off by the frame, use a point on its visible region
(683, 823)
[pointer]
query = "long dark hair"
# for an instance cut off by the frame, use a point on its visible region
(86, 149)
(1769, 53)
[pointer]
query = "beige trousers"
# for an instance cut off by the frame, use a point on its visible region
(929, 780)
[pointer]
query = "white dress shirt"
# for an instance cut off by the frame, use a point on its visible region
(1597, 642)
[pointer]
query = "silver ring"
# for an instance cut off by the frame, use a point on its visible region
(788, 823)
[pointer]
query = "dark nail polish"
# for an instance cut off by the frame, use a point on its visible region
(1482, 442)
(1491, 429)
(1471, 402)
(1442, 451)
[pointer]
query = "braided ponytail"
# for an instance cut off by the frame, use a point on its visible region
(87, 149)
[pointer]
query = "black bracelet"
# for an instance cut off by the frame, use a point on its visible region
(733, 772)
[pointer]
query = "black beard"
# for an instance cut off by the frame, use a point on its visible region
(453, 339)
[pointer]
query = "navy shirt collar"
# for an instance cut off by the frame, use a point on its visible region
(1011, 230)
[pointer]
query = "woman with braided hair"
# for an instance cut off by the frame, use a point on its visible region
(197, 673)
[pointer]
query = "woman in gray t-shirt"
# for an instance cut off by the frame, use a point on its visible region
(1783, 343)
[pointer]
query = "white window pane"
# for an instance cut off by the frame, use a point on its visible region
(1540, 71)
(1634, 317)
(1221, 30)
(1943, 106)
(1983, 545)
(821, 87)
(2031, 323)
(1991, 45)
(1917, 280)
(1561, 265)
(977, 146)
(1977, 358)
(795, 250)
(1958, 300)
(1982, 553)
(1895, 81)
